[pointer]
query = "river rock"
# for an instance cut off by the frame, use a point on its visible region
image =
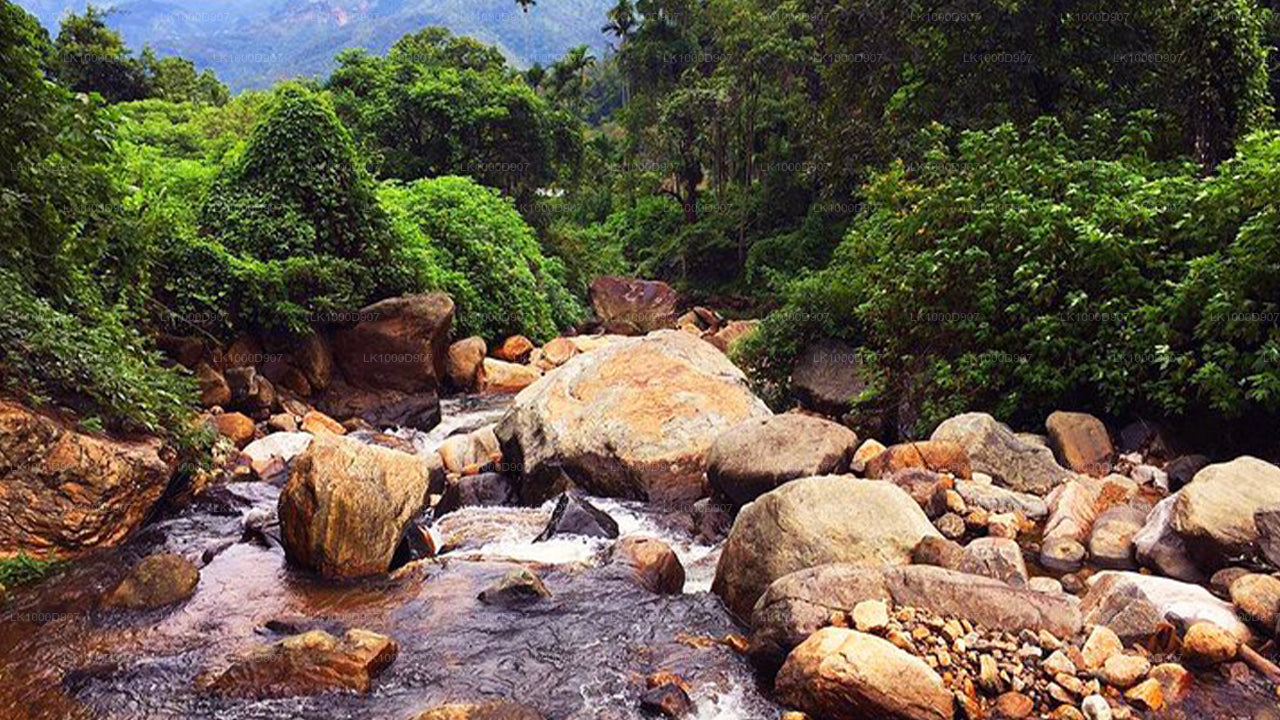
(998, 558)
(1111, 538)
(515, 349)
(271, 456)
(759, 454)
(634, 418)
(574, 516)
(518, 587)
(1182, 469)
(464, 363)
(1159, 547)
(933, 455)
(840, 674)
(827, 377)
(864, 453)
(65, 493)
(480, 490)
(1214, 512)
(506, 377)
(1080, 442)
(928, 489)
(799, 604)
(1000, 500)
(1257, 598)
(1268, 524)
(307, 664)
(157, 581)
(398, 344)
(813, 521)
(1124, 671)
(234, 426)
(995, 450)
(654, 566)
(481, 711)
(667, 700)
(381, 408)
(557, 352)
(939, 552)
(1135, 605)
(1206, 643)
(316, 422)
(346, 504)
(629, 306)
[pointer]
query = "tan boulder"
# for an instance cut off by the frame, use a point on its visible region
(236, 427)
(1215, 511)
(346, 504)
(759, 454)
(1080, 442)
(997, 451)
(933, 455)
(306, 664)
(814, 521)
(1208, 644)
(841, 674)
(464, 363)
(557, 352)
(65, 493)
(506, 377)
(316, 422)
(397, 344)
(515, 349)
(157, 581)
(725, 338)
(629, 306)
(1257, 598)
(465, 454)
(635, 418)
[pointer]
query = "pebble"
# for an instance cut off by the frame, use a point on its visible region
(1147, 695)
(1102, 644)
(1124, 671)
(870, 616)
(1058, 663)
(1014, 705)
(1095, 707)
(951, 526)
(1061, 554)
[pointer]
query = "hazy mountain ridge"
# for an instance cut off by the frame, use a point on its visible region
(253, 44)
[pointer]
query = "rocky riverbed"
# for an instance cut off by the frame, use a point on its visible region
(635, 534)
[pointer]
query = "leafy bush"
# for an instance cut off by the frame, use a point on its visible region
(22, 569)
(469, 241)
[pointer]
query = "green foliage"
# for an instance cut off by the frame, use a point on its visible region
(469, 241)
(23, 569)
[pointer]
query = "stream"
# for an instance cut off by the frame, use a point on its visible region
(582, 654)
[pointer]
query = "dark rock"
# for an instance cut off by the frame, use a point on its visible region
(759, 454)
(575, 516)
(397, 344)
(308, 664)
(668, 700)
(518, 587)
(157, 581)
(927, 488)
(629, 306)
(482, 490)
(415, 544)
(712, 519)
(1183, 469)
(1268, 524)
(939, 552)
(653, 565)
(381, 408)
(827, 377)
(1146, 437)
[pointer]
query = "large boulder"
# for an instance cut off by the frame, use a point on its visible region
(346, 504)
(994, 449)
(628, 306)
(464, 363)
(757, 455)
(814, 521)
(1135, 606)
(932, 455)
(1159, 547)
(65, 493)
(381, 408)
(306, 664)
(841, 674)
(1080, 442)
(397, 344)
(634, 418)
(1111, 540)
(499, 376)
(1215, 511)
(827, 377)
(799, 604)
(650, 563)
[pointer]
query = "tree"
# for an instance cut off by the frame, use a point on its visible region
(90, 57)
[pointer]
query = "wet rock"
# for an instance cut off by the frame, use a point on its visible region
(712, 519)
(381, 407)
(994, 449)
(481, 711)
(654, 566)
(629, 306)
(415, 544)
(65, 493)
(518, 587)
(346, 505)
(798, 604)
(1111, 538)
(847, 675)
(1061, 554)
(604, 423)
(1135, 606)
(307, 664)
(1159, 547)
(1257, 598)
(813, 521)
(999, 500)
(1080, 442)
(505, 377)
(575, 516)
(482, 490)
(316, 422)
(759, 454)
(398, 344)
(1147, 695)
(998, 558)
(157, 581)
(827, 377)
(1181, 470)
(236, 427)
(1214, 512)
(1206, 643)
(933, 455)
(668, 700)
(515, 349)
(464, 363)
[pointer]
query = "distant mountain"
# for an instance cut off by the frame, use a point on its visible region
(253, 43)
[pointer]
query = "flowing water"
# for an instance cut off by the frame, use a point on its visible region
(581, 654)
